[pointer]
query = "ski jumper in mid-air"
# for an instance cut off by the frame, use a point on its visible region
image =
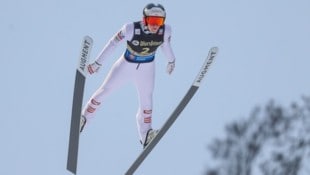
(135, 65)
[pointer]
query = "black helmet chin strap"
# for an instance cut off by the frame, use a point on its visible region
(145, 28)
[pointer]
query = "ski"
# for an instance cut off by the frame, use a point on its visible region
(192, 90)
(80, 78)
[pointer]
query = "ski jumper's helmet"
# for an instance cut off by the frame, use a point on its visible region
(153, 10)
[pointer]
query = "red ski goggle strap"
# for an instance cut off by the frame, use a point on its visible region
(155, 20)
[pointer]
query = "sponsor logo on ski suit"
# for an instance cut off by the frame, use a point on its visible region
(142, 47)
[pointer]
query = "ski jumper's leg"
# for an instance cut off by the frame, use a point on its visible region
(115, 78)
(144, 81)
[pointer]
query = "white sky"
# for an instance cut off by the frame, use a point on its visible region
(264, 53)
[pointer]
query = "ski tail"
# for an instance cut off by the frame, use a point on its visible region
(78, 94)
(183, 103)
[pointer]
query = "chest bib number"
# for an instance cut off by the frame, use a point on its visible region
(145, 50)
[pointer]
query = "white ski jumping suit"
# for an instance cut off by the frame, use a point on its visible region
(135, 65)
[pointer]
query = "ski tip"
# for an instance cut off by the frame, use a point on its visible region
(88, 38)
(212, 54)
(84, 54)
(214, 49)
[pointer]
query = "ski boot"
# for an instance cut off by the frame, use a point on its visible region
(82, 122)
(149, 137)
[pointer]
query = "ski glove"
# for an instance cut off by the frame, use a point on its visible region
(170, 67)
(94, 67)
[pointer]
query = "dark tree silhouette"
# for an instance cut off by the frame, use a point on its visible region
(273, 141)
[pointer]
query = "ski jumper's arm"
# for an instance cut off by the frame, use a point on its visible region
(166, 46)
(125, 33)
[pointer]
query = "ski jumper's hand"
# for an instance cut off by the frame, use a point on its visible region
(170, 67)
(94, 67)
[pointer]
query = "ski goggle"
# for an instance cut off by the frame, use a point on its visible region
(155, 20)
